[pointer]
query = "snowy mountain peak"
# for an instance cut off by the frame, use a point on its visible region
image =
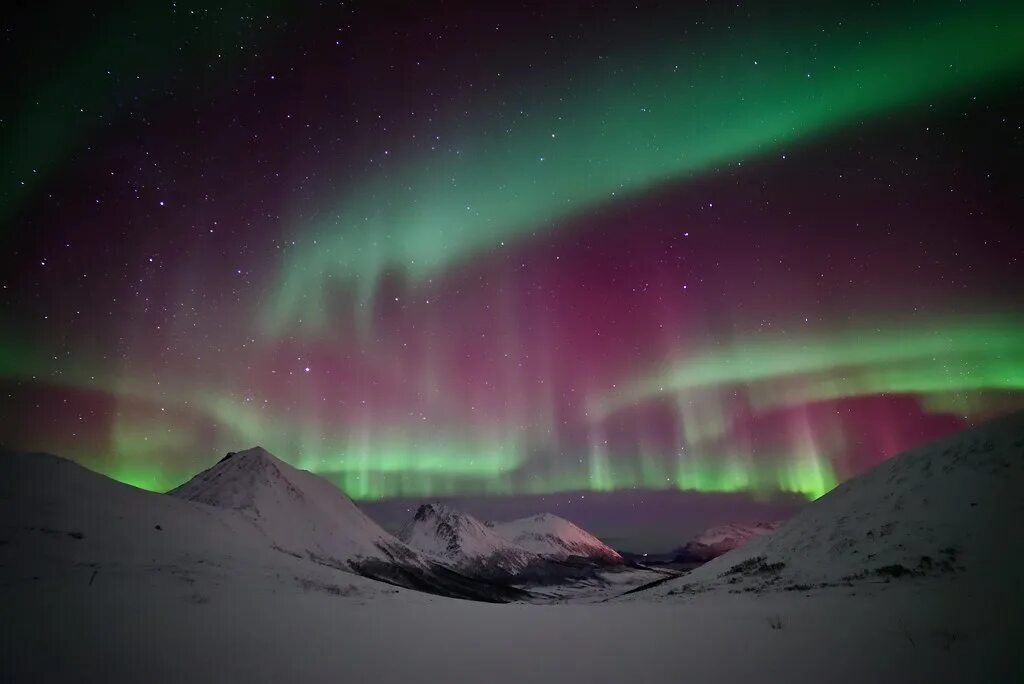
(237, 480)
(462, 540)
(547, 519)
(537, 546)
(295, 509)
(253, 453)
(434, 510)
(553, 537)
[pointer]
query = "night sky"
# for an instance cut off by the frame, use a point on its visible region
(651, 266)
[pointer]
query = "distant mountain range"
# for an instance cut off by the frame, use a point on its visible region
(538, 549)
(720, 539)
(460, 540)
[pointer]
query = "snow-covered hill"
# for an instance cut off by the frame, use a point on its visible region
(462, 541)
(249, 516)
(297, 511)
(62, 524)
(720, 539)
(948, 508)
(553, 537)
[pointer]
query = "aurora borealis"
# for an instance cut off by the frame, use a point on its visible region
(515, 250)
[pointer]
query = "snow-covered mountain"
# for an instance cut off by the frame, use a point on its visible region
(63, 524)
(948, 508)
(460, 540)
(250, 517)
(297, 511)
(720, 539)
(552, 537)
(539, 549)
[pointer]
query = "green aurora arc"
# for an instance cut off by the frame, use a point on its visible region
(616, 130)
(960, 356)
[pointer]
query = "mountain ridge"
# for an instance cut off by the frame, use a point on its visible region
(943, 508)
(538, 549)
(462, 540)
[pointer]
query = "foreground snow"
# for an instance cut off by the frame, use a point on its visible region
(162, 633)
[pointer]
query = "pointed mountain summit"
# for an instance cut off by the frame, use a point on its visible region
(298, 511)
(462, 541)
(553, 537)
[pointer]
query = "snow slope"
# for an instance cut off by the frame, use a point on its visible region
(947, 508)
(720, 539)
(462, 541)
(250, 515)
(61, 523)
(553, 537)
(296, 510)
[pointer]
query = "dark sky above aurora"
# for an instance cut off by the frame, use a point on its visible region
(648, 266)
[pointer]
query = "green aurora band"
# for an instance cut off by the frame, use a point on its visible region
(961, 356)
(618, 129)
(947, 366)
